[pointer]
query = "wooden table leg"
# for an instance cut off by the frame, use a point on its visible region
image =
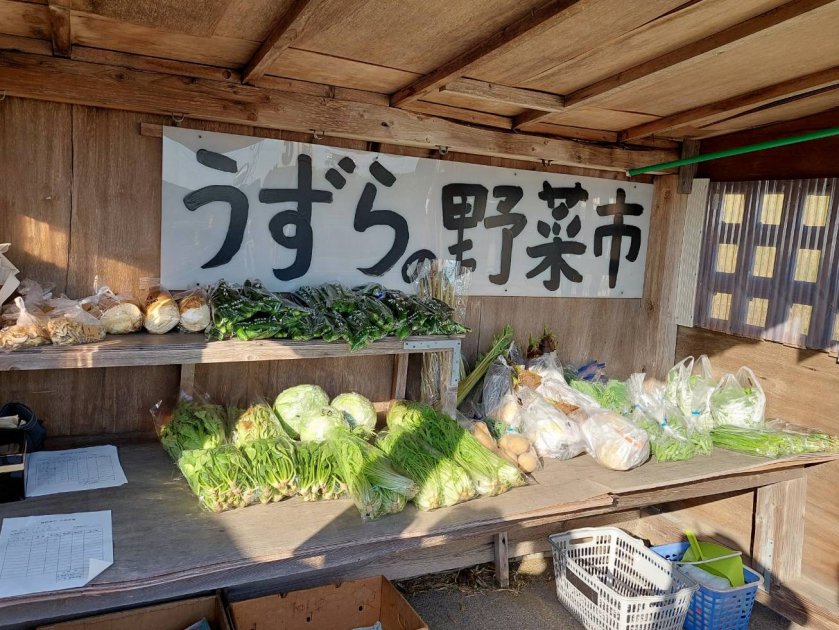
(779, 531)
(400, 376)
(502, 561)
(188, 378)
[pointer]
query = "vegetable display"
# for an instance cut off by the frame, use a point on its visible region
(613, 395)
(257, 422)
(194, 425)
(273, 467)
(220, 477)
(358, 411)
(772, 442)
(293, 403)
(317, 424)
(738, 400)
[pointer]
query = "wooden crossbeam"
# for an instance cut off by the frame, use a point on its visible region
(60, 33)
(287, 30)
(530, 99)
(115, 87)
(537, 22)
(690, 53)
(713, 112)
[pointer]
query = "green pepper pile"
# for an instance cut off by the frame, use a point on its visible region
(330, 312)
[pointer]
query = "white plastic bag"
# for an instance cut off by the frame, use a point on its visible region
(689, 387)
(552, 432)
(499, 401)
(30, 329)
(738, 400)
(614, 441)
(553, 385)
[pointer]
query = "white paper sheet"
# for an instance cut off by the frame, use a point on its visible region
(54, 552)
(51, 472)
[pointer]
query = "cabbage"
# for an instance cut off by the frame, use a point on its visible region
(296, 401)
(359, 411)
(316, 424)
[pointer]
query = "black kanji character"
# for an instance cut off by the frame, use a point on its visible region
(235, 198)
(510, 196)
(460, 214)
(301, 218)
(617, 231)
(554, 251)
(366, 217)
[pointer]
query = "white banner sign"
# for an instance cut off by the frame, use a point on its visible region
(292, 214)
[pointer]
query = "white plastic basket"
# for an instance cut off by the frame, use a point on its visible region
(610, 581)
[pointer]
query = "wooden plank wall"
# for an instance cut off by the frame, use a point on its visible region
(80, 198)
(800, 387)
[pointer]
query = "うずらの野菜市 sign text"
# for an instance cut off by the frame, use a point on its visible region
(293, 214)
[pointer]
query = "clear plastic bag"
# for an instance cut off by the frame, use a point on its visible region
(29, 330)
(519, 450)
(75, 326)
(552, 433)
(34, 298)
(614, 441)
(499, 401)
(554, 387)
(689, 386)
(119, 314)
(160, 310)
(194, 310)
(195, 422)
(738, 400)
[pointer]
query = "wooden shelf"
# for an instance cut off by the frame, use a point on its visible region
(165, 546)
(183, 348)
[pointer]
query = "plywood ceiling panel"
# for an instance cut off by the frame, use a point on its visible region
(795, 48)
(597, 118)
(251, 19)
(789, 111)
(466, 102)
(595, 22)
(691, 23)
(178, 16)
(308, 66)
(412, 35)
(102, 32)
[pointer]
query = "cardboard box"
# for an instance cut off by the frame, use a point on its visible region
(170, 616)
(356, 604)
(8, 275)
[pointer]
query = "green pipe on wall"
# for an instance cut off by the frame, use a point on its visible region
(749, 148)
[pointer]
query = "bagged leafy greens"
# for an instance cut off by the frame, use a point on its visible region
(738, 400)
(293, 403)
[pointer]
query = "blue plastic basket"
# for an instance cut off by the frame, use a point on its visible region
(712, 609)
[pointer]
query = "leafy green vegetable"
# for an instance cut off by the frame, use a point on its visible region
(220, 477)
(316, 424)
(293, 403)
(358, 411)
(490, 474)
(773, 443)
(317, 473)
(272, 465)
(257, 422)
(614, 395)
(499, 346)
(194, 425)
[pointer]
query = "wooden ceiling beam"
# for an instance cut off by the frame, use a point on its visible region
(535, 23)
(283, 35)
(115, 87)
(713, 112)
(60, 30)
(689, 53)
(482, 90)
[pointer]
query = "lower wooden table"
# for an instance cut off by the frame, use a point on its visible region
(166, 547)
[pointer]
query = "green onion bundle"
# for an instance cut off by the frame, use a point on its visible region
(441, 481)
(273, 468)
(768, 442)
(194, 425)
(220, 477)
(375, 488)
(490, 474)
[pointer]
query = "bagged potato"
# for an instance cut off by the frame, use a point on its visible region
(194, 310)
(613, 440)
(161, 310)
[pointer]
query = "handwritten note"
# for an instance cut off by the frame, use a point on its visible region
(54, 552)
(51, 472)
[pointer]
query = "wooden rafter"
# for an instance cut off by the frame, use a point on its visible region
(535, 23)
(287, 30)
(60, 33)
(482, 90)
(689, 53)
(713, 112)
(115, 87)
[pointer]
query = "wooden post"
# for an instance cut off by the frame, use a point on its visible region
(779, 531)
(400, 376)
(502, 561)
(690, 148)
(187, 378)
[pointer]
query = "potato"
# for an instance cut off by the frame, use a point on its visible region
(515, 444)
(483, 436)
(528, 462)
(510, 458)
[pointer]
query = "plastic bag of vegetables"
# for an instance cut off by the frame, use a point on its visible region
(738, 400)
(500, 403)
(689, 386)
(491, 474)
(195, 424)
(317, 472)
(257, 422)
(441, 482)
(776, 439)
(316, 424)
(294, 402)
(372, 483)
(220, 477)
(553, 385)
(612, 395)
(552, 433)
(358, 411)
(272, 465)
(614, 441)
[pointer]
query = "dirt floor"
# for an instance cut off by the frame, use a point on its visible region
(468, 599)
